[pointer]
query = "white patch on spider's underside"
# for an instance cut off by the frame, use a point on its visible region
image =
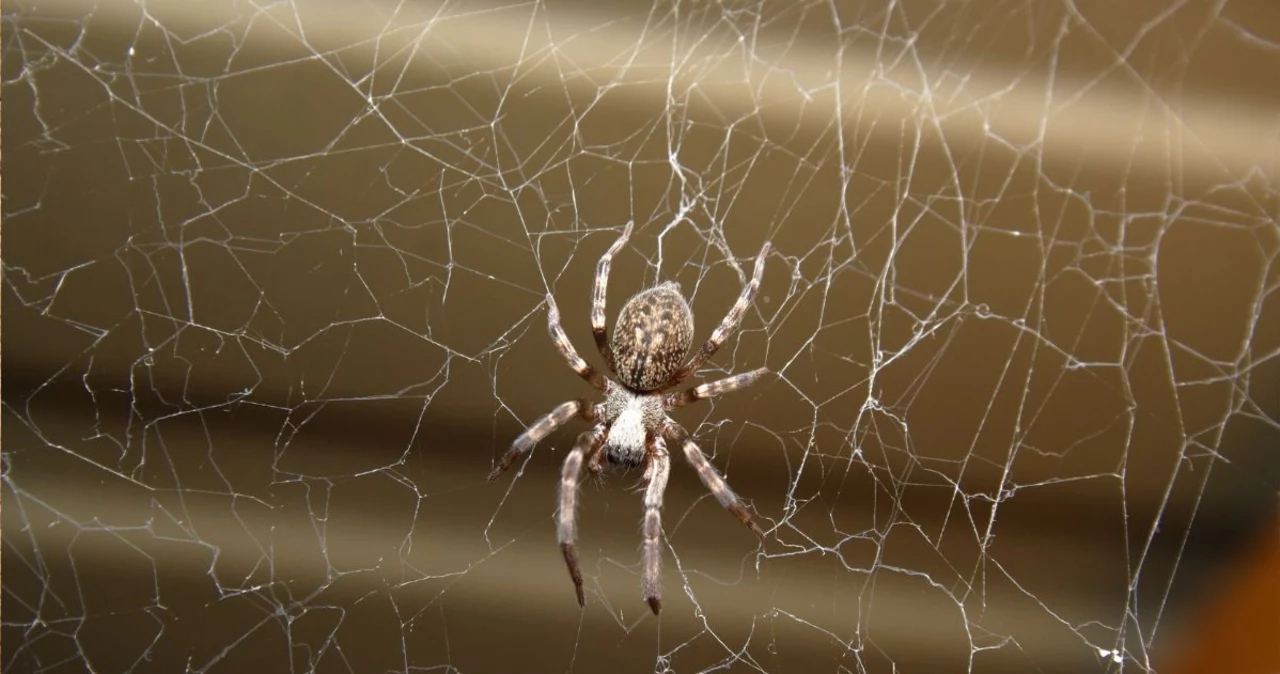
(625, 445)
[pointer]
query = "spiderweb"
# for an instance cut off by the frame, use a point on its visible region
(274, 279)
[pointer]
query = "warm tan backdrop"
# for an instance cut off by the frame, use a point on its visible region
(273, 305)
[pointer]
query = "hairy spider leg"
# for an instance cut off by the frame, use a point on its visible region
(715, 388)
(710, 478)
(727, 326)
(589, 442)
(542, 428)
(566, 347)
(599, 296)
(657, 472)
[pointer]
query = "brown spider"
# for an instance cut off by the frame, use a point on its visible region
(630, 426)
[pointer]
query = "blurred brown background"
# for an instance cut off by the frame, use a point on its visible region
(274, 279)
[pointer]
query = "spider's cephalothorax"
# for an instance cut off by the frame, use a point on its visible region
(630, 427)
(625, 443)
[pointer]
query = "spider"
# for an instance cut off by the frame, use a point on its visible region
(630, 427)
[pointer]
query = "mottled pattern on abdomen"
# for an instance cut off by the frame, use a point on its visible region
(652, 337)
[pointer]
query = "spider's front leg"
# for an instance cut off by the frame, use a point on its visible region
(710, 478)
(541, 429)
(589, 442)
(656, 475)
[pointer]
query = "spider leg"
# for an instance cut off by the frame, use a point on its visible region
(541, 429)
(728, 325)
(566, 517)
(566, 347)
(715, 388)
(598, 297)
(658, 470)
(710, 478)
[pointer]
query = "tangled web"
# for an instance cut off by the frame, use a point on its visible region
(274, 303)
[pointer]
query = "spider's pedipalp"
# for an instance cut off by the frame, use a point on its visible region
(541, 429)
(659, 469)
(728, 325)
(599, 296)
(566, 349)
(715, 388)
(710, 477)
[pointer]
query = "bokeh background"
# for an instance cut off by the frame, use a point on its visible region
(273, 305)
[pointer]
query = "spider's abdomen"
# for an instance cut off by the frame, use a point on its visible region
(652, 337)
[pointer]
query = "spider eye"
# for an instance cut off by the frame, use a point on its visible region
(652, 337)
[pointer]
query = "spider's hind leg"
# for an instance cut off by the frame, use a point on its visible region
(715, 388)
(599, 293)
(728, 326)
